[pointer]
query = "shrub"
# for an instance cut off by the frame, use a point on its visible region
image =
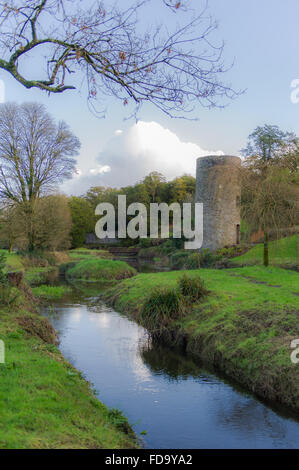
(193, 261)
(3, 277)
(177, 243)
(8, 294)
(145, 242)
(30, 261)
(192, 289)
(178, 259)
(119, 421)
(161, 306)
(65, 266)
(42, 275)
(208, 258)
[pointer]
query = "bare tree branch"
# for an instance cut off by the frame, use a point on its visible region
(172, 70)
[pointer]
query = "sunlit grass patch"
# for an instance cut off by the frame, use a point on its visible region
(281, 252)
(97, 269)
(50, 292)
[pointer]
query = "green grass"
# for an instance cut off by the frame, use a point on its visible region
(79, 254)
(281, 252)
(50, 292)
(40, 275)
(244, 326)
(100, 269)
(13, 261)
(238, 285)
(44, 401)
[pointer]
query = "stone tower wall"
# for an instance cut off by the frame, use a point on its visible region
(218, 188)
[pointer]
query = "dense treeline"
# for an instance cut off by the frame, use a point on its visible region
(60, 222)
(153, 188)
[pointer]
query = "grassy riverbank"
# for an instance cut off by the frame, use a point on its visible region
(48, 293)
(283, 252)
(100, 270)
(244, 326)
(45, 402)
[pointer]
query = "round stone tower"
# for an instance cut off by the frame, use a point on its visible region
(218, 188)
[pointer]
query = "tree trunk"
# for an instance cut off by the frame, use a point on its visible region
(30, 241)
(266, 249)
(10, 247)
(29, 213)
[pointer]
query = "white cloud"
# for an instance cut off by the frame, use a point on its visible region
(78, 173)
(146, 146)
(100, 169)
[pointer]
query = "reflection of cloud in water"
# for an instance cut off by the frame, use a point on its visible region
(142, 372)
(126, 337)
(102, 319)
(76, 314)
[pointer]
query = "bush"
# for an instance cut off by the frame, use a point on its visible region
(3, 277)
(119, 421)
(38, 259)
(145, 242)
(178, 259)
(8, 293)
(161, 306)
(148, 242)
(193, 261)
(208, 258)
(192, 289)
(63, 268)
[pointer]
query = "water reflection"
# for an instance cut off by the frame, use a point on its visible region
(179, 403)
(174, 363)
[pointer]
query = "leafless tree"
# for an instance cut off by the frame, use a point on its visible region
(35, 155)
(174, 70)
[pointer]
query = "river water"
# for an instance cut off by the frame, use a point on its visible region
(162, 391)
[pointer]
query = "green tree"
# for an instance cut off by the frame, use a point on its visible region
(52, 223)
(83, 220)
(183, 189)
(153, 183)
(12, 228)
(269, 144)
(270, 190)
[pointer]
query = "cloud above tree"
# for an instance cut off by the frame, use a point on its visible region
(130, 155)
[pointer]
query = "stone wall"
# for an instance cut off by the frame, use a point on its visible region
(218, 188)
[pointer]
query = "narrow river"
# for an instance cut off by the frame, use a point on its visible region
(163, 392)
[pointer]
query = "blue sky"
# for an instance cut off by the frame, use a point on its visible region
(262, 36)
